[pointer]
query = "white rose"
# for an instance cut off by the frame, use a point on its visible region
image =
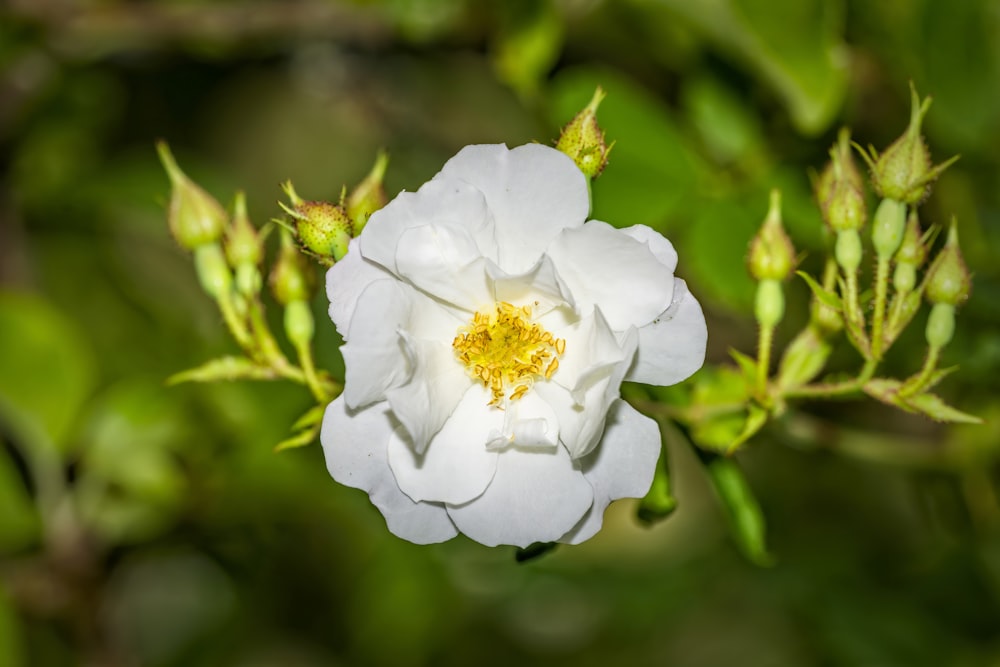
(488, 328)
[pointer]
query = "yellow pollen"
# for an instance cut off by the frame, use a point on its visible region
(507, 352)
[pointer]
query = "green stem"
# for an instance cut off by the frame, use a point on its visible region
(309, 370)
(919, 381)
(236, 325)
(833, 389)
(881, 293)
(763, 358)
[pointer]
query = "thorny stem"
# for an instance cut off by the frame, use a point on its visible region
(309, 370)
(763, 358)
(235, 324)
(920, 380)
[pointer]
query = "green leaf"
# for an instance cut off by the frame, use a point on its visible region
(659, 502)
(313, 415)
(745, 516)
(46, 370)
(529, 44)
(935, 408)
(301, 439)
(823, 295)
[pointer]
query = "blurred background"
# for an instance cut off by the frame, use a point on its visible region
(147, 525)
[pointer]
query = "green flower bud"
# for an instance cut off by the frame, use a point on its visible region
(940, 325)
(583, 139)
(368, 196)
(769, 306)
(212, 270)
(194, 216)
(772, 256)
(904, 172)
(840, 188)
(848, 250)
(911, 256)
(292, 278)
(322, 229)
(299, 324)
(948, 279)
(888, 227)
(243, 243)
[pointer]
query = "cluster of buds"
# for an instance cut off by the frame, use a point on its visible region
(323, 229)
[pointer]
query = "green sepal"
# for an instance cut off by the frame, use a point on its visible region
(755, 420)
(747, 364)
(825, 296)
(224, 368)
(932, 406)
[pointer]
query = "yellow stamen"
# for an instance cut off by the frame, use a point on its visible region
(504, 350)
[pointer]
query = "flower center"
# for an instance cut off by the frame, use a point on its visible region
(506, 351)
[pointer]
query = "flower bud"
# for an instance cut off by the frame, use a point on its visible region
(292, 278)
(888, 227)
(244, 248)
(368, 196)
(194, 216)
(769, 306)
(948, 279)
(911, 256)
(904, 172)
(840, 188)
(772, 256)
(322, 229)
(583, 139)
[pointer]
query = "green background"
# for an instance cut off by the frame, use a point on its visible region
(146, 525)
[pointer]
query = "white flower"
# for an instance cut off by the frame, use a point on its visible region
(488, 328)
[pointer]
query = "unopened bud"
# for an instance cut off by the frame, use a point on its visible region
(194, 216)
(583, 139)
(888, 227)
(772, 256)
(911, 256)
(368, 196)
(244, 249)
(322, 229)
(292, 278)
(904, 172)
(840, 189)
(948, 279)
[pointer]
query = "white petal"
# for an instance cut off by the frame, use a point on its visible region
(529, 422)
(345, 281)
(672, 347)
(535, 496)
(533, 192)
(540, 286)
(590, 346)
(355, 445)
(445, 263)
(374, 354)
(661, 248)
(456, 466)
(583, 413)
(445, 203)
(622, 466)
(603, 266)
(438, 383)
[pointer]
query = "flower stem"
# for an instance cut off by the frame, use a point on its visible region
(236, 325)
(309, 371)
(919, 381)
(763, 358)
(881, 293)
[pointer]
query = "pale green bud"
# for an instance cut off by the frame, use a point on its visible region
(292, 278)
(368, 196)
(769, 306)
(904, 172)
(194, 216)
(772, 256)
(840, 188)
(948, 279)
(583, 139)
(888, 227)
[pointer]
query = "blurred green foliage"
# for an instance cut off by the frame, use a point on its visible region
(148, 525)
